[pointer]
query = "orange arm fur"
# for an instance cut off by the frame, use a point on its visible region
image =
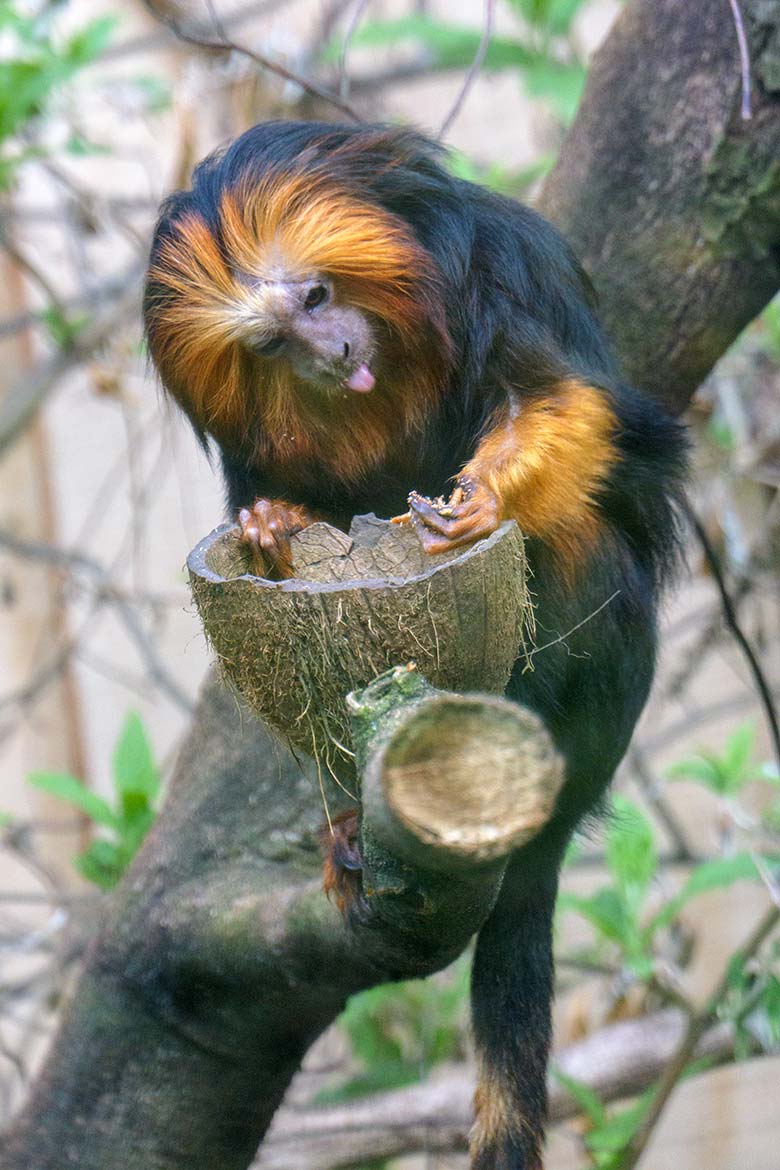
(545, 461)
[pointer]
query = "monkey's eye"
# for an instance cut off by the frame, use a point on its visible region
(315, 296)
(270, 347)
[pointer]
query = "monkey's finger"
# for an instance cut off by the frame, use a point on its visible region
(404, 518)
(250, 536)
(433, 542)
(275, 543)
(457, 521)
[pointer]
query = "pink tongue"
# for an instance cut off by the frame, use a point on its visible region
(361, 380)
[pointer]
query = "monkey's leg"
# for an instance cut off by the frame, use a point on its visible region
(511, 995)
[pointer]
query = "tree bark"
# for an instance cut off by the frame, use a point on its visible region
(220, 961)
(670, 199)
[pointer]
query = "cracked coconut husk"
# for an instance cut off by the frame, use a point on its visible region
(359, 604)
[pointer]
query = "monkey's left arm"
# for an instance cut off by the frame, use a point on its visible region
(542, 462)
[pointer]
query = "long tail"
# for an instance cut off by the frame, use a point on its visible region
(511, 995)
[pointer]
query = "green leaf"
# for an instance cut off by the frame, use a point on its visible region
(451, 46)
(588, 1101)
(612, 1137)
(90, 41)
(498, 178)
(770, 1002)
(709, 875)
(135, 772)
(62, 329)
(559, 83)
(554, 16)
(81, 147)
(102, 864)
(631, 853)
(605, 910)
(724, 774)
(68, 788)
(739, 751)
(698, 768)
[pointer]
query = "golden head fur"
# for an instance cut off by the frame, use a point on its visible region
(208, 285)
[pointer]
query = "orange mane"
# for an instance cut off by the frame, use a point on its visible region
(306, 224)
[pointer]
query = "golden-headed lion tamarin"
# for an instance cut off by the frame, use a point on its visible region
(358, 330)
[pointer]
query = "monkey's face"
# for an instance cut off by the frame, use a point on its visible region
(328, 345)
(280, 310)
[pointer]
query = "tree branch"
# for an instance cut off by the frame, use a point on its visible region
(24, 399)
(223, 914)
(221, 44)
(616, 1062)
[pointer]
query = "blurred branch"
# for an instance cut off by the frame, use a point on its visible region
(655, 798)
(707, 638)
(149, 42)
(326, 26)
(686, 1050)
(23, 400)
(618, 1061)
(104, 591)
(352, 27)
(725, 708)
(100, 295)
(191, 36)
(475, 67)
(35, 274)
(732, 621)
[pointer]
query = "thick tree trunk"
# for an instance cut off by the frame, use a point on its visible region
(670, 198)
(220, 961)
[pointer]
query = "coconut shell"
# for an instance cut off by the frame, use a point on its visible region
(358, 605)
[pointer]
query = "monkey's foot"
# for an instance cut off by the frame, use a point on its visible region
(471, 513)
(342, 875)
(266, 529)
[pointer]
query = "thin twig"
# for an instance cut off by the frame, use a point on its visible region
(730, 705)
(24, 399)
(474, 68)
(697, 1026)
(146, 42)
(705, 641)
(35, 274)
(732, 621)
(652, 792)
(226, 45)
(744, 56)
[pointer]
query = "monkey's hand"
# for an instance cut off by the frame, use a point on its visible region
(266, 529)
(472, 512)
